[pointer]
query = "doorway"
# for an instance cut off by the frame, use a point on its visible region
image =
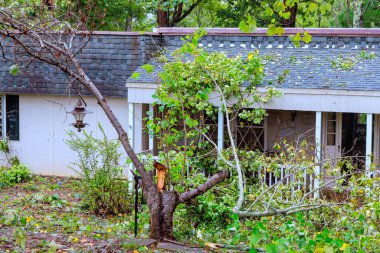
(344, 137)
(354, 138)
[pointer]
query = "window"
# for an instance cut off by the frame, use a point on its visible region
(12, 112)
(9, 117)
(250, 136)
(331, 128)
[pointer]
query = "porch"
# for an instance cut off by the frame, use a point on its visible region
(331, 136)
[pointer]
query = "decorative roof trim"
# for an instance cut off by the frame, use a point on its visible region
(343, 32)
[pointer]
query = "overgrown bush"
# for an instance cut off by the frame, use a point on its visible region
(105, 188)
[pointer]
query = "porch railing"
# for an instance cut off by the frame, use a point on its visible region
(290, 179)
(293, 180)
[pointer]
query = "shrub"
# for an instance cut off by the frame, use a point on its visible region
(17, 173)
(105, 189)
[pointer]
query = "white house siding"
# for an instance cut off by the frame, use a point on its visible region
(43, 130)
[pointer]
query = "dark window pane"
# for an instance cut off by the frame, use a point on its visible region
(330, 139)
(12, 114)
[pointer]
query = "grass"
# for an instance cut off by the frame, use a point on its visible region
(46, 215)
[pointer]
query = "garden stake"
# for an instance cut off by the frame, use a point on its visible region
(136, 200)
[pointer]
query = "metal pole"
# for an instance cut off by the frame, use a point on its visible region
(136, 202)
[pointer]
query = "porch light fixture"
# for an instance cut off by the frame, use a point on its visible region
(79, 113)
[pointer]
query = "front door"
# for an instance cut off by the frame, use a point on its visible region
(332, 142)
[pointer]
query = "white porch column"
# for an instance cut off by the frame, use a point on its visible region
(318, 150)
(3, 115)
(368, 144)
(138, 128)
(220, 128)
(151, 139)
(131, 126)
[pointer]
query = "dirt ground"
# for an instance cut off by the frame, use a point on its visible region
(45, 215)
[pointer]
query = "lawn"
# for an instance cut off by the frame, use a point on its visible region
(46, 214)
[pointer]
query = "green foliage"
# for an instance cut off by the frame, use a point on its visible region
(182, 100)
(17, 173)
(104, 184)
(349, 228)
(274, 14)
(4, 146)
(14, 70)
(297, 38)
(248, 25)
(347, 62)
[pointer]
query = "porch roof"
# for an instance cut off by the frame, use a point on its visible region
(337, 59)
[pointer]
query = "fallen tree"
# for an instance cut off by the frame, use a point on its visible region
(42, 37)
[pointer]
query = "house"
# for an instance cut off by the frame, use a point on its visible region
(331, 93)
(331, 89)
(34, 104)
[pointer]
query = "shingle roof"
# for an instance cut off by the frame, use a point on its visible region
(108, 59)
(310, 66)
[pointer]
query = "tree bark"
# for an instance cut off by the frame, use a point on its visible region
(161, 215)
(357, 20)
(163, 18)
(291, 21)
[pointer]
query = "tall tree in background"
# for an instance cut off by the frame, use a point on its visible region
(284, 13)
(170, 13)
(358, 14)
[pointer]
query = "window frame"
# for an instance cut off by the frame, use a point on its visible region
(4, 117)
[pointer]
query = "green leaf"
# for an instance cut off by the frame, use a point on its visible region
(313, 7)
(135, 75)
(306, 37)
(248, 25)
(148, 68)
(285, 15)
(296, 39)
(268, 11)
(279, 6)
(275, 30)
(14, 70)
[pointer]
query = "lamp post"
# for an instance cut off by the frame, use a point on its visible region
(79, 113)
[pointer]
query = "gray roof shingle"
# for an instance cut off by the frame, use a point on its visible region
(108, 59)
(310, 66)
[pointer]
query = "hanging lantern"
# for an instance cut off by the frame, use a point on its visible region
(79, 113)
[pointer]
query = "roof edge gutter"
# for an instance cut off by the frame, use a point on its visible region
(341, 32)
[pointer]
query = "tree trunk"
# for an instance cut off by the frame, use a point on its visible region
(357, 20)
(163, 18)
(291, 21)
(161, 210)
(128, 24)
(129, 20)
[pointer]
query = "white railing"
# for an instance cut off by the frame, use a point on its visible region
(291, 179)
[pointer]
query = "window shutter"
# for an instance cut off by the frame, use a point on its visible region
(12, 114)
